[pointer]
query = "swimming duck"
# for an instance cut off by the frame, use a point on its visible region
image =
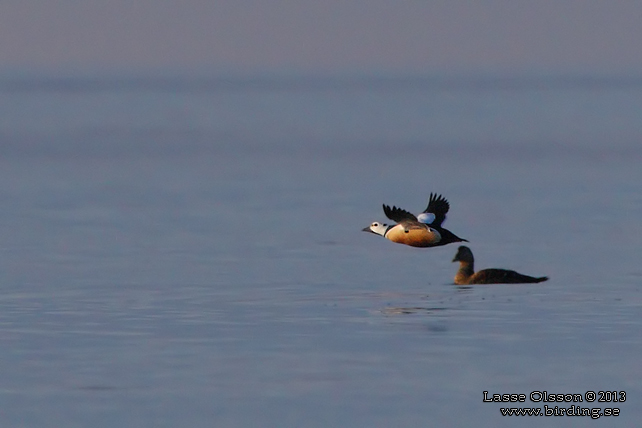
(467, 275)
(423, 230)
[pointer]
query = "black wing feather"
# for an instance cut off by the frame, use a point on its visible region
(439, 206)
(397, 214)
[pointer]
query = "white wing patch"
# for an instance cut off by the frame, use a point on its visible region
(426, 218)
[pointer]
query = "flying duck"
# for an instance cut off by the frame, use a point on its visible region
(467, 275)
(423, 230)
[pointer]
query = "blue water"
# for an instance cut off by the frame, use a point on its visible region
(188, 252)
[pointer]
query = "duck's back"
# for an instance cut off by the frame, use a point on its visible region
(503, 276)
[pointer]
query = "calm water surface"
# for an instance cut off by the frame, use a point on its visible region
(189, 253)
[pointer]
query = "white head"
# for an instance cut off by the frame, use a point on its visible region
(376, 227)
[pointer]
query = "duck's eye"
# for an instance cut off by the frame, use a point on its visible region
(375, 224)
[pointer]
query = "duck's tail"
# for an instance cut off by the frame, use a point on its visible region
(447, 237)
(530, 279)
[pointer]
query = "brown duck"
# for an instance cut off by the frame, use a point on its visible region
(467, 275)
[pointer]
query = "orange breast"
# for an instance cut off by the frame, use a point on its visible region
(415, 237)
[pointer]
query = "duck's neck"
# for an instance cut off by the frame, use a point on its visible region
(466, 270)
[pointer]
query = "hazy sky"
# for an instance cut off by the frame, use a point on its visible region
(323, 35)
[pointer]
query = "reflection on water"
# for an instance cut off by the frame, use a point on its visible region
(409, 311)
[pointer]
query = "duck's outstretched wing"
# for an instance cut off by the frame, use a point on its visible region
(398, 215)
(438, 206)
